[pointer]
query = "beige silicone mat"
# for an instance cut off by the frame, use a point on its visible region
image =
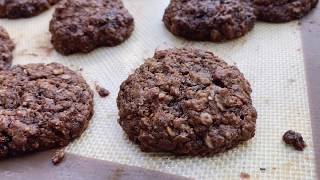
(270, 57)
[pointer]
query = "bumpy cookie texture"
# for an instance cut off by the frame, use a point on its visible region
(209, 20)
(278, 11)
(188, 102)
(83, 25)
(6, 48)
(41, 107)
(24, 8)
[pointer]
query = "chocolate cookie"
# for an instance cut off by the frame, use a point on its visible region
(41, 107)
(83, 25)
(209, 20)
(188, 102)
(278, 11)
(6, 48)
(24, 8)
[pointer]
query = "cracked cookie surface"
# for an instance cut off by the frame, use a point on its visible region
(84, 25)
(209, 20)
(42, 106)
(24, 8)
(188, 102)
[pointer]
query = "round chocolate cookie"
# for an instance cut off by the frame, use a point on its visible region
(83, 25)
(188, 102)
(41, 107)
(209, 20)
(278, 11)
(24, 8)
(6, 48)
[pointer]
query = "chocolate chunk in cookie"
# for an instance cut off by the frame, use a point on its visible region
(24, 8)
(209, 20)
(41, 107)
(6, 48)
(278, 11)
(294, 139)
(188, 102)
(83, 25)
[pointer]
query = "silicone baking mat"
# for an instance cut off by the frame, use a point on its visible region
(270, 57)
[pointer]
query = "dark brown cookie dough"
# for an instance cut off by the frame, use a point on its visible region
(188, 102)
(24, 8)
(278, 11)
(83, 25)
(6, 48)
(209, 20)
(41, 107)
(294, 139)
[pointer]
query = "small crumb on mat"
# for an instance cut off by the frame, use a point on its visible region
(294, 139)
(58, 156)
(262, 169)
(102, 91)
(244, 175)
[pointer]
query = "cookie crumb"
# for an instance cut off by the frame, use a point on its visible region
(102, 91)
(294, 139)
(244, 175)
(262, 169)
(58, 156)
